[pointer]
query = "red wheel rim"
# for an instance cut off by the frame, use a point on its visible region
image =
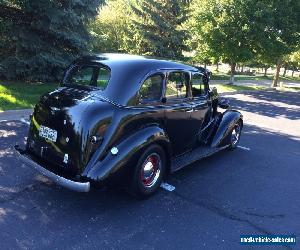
(150, 170)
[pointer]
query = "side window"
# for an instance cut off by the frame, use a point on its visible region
(151, 88)
(177, 85)
(197, 85)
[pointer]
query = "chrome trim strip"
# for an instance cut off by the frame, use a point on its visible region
(73, 185)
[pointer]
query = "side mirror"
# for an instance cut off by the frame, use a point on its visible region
(224, 103)
(164, 100)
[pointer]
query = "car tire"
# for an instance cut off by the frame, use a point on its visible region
(235, 135)
(149, 172)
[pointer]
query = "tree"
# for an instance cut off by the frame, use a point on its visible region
(112, 25)
(7, 46)
(157, 28)
(261, 62)
(291, 62)
(275, 29)
(295, 61)
(44, 36)
(221, 27)
(205, 57)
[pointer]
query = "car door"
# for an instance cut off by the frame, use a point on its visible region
(178, 109)
(150, 108)
(201, 104)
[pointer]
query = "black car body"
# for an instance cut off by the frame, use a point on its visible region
(110, 109)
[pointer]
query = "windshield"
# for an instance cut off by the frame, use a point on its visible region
(88, 75)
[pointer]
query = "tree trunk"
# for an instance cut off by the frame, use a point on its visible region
(217, 67)
(284, 72)
(232, 72)
(293, 73)
(242, 69)
(265, 73)
(276, 76)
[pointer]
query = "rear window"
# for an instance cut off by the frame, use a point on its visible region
(89, 75)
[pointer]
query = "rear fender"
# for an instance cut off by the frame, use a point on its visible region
(229, 119)
(127, 152)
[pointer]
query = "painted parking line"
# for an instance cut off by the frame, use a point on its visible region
(244, 148)
(25, 121)
(167, 187)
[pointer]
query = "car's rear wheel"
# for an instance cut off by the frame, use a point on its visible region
(235, 135)
(149, 172)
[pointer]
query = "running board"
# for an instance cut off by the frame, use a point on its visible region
(188, 158)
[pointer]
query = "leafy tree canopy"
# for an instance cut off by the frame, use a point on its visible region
(275, 26)
(239, 30)
(112, 26)
(220, 30)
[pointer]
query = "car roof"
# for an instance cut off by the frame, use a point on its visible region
(127, 72)
(115, 60)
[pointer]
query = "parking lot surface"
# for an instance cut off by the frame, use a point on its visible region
(252, 190)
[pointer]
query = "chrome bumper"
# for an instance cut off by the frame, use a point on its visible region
(73, 185)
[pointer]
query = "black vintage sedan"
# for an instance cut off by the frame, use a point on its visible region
(127, 120)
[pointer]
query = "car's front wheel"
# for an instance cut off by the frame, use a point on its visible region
(149, 172)
(235, 135)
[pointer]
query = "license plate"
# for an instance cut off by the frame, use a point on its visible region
(48, 133)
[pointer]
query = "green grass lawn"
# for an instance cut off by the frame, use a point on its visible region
(232, 88)
(20, 95)
(219, 76)
(222, 76)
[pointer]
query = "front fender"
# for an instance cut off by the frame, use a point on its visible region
(229, 119)
(127, 150)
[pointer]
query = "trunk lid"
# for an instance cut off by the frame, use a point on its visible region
(58, 116)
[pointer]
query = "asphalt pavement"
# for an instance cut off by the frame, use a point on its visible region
(252, 190)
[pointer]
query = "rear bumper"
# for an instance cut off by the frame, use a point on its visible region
(62, 181)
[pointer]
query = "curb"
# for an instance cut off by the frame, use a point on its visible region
(11, 115)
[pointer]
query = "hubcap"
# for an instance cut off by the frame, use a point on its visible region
(150, 170)
(235, 136)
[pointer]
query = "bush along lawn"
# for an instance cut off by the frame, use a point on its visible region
(21, 95)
